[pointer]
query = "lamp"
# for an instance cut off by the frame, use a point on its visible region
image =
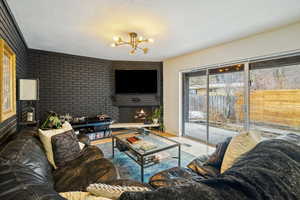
(29, 91)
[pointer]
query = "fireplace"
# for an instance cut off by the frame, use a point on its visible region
(136, 86)
(135, 114)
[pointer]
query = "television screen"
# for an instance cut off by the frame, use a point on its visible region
(135, 81)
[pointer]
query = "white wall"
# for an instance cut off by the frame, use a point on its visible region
(284, 39)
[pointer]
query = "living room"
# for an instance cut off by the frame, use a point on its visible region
(149, 99)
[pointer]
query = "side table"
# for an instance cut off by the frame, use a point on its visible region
(29, 124)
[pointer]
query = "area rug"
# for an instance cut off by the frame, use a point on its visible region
(129, 169)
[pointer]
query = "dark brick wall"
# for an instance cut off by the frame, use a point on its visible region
(9, 31)
(80, 86)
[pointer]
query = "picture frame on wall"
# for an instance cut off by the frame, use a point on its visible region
(7, 81)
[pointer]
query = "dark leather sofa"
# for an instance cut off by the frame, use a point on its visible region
(203, 167)
(270, 171)
(25, 173)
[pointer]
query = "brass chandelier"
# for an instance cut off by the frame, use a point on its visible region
(134, 42)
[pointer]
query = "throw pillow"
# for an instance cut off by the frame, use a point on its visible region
(80, 196)
(45, 137)
(111, 191)
(239, 145)
(65, 147)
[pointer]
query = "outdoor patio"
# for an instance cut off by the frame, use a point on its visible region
(216, 135)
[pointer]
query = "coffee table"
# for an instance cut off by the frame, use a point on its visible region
(145, 158)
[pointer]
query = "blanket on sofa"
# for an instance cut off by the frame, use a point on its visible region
(269, 171)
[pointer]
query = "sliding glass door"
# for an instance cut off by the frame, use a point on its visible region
(275, 98)
(195, 105)
(262, 96)
(213, 103)
(226, 102)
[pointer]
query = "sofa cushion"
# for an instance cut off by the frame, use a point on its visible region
(46, 138)
(112, 191)
(27, 152)
(90, 167)
(240, 144)
(25, 172)
(81, 196)
(65, 147)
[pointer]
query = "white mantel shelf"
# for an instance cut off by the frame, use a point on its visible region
(132, 125)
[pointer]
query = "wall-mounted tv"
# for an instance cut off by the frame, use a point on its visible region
(135, 81)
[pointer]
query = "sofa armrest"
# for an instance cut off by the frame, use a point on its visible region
(173, 177)
(201, 167)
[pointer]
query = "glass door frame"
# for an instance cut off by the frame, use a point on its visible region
(185, 103)
(185, 98)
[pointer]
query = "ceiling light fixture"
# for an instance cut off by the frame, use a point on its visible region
(134, 42)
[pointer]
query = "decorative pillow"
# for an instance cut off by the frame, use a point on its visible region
(65, 147)
(46, 135)
(80, 196)
(211, 165)
(112, 192)
(239, 145)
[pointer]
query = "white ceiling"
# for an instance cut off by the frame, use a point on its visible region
(86, 27)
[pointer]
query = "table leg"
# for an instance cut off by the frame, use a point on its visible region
(113, 147)
(179, 155)
(142, 174)
(142, 170)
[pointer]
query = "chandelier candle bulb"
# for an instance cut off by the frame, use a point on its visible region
(132, 52)
(145, 50)
(134, 42)
(116, 38)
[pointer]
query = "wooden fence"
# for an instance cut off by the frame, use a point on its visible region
(221, 107)
(273, 107)
(280, 107)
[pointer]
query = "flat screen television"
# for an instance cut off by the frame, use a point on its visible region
(135, 81)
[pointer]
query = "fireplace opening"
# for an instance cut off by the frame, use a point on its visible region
(136, 114)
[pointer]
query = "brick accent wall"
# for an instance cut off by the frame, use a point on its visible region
(9, 31)
(80, 86)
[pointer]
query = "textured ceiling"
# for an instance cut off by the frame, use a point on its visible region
(86, 27)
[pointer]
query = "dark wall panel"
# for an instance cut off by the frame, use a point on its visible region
(80, 86)
(10, 33)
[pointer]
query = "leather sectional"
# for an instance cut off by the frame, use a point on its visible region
(26, 174)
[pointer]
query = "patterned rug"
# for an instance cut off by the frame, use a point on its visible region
(129, 169)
